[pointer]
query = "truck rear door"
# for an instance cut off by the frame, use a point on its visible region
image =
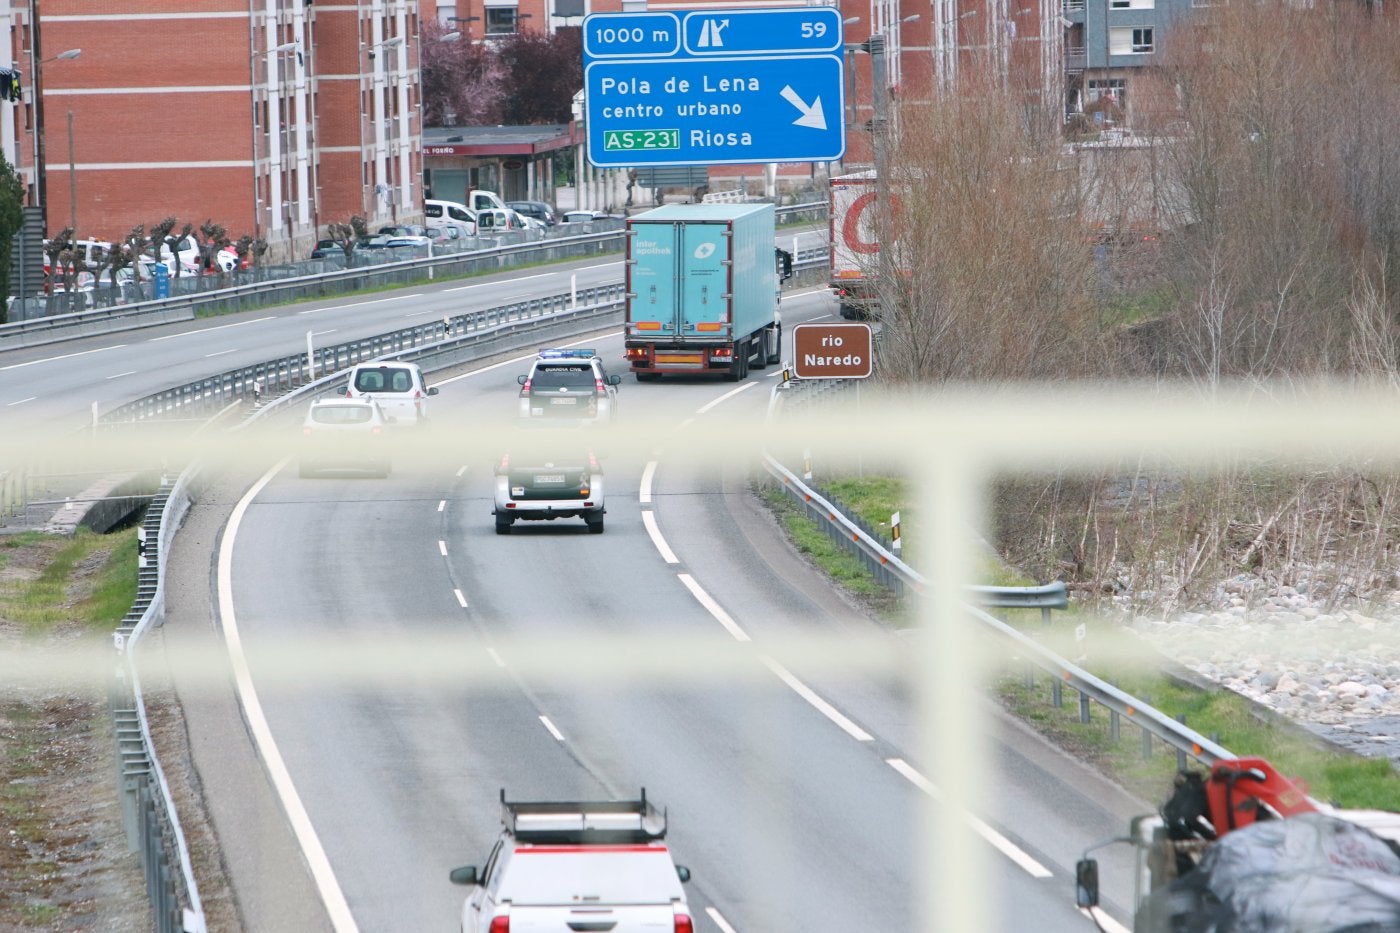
(705, 280)
(653, 282)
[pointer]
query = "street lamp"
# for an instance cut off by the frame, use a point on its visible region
(386, 44)
(40, 165)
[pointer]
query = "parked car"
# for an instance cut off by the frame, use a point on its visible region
(539, 210)
(451, 214)
(327, 249)
(441, 236)
(371, 243)
(586, 217)
(403, 230)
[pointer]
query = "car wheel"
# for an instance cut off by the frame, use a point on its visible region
(595, 525)
(502, 525)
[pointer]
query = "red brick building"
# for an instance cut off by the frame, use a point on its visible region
(272, 118)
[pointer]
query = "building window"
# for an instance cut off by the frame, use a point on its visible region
(501, 20)
(1131, 4)
(1130, 40)
(1099, 88)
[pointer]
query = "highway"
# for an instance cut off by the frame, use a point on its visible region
(793, 795)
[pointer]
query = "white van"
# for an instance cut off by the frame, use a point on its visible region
(397, 386)
(450, 213)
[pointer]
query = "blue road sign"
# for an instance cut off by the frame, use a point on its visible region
(714, 86)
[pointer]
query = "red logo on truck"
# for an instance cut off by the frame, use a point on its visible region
(851, 227)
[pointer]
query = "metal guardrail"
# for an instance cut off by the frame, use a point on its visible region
(888, 568)
(148, 808)
(310, 280)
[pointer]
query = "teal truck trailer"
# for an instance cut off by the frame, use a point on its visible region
(702, 290)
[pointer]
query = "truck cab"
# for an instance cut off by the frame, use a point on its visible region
(577, 865)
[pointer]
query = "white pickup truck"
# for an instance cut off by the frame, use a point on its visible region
(574, 867)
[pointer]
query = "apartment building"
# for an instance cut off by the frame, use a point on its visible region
(270, 118)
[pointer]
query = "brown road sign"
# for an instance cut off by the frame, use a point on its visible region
(832, 351)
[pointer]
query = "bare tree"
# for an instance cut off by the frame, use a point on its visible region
(988, 275)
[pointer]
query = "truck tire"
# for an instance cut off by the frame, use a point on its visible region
(647, 377)
(739, 368)
(760, 359)
(776, 355)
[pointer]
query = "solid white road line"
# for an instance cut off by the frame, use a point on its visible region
(1105, 922)
(460, 598)
(20, 401)
(714, 608)
(205, 330)
(999, 842)
(353, 304)
(552, 730)
(131, 372)
(462, 288)
(725, 397)
(208, 356)
(720, 921)
(649, 520)
(442, 548)
(606, 265)
(648, 474)
(331, 895)
(66, 356)
(821, 706)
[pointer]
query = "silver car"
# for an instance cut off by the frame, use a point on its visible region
(568, 384)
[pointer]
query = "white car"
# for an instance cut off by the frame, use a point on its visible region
(567, 865)
(397, 386)
(549, 472)
(344, 434)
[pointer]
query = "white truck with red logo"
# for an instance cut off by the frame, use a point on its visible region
(855, 248)
(577, 866)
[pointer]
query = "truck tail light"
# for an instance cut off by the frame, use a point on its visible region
(683, 924)
(722, 353)
(500, 924)
(636, 353)
(306, 432)
(376, 430)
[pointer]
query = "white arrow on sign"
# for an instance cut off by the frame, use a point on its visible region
(811, 116)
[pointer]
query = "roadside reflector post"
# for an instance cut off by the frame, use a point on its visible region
(897, 545)
(310, 358)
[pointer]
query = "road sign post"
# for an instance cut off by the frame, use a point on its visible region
(711, 87)
(832, 351)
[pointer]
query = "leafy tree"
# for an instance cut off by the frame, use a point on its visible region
(544, 73)
(463, 83)
(11, 219)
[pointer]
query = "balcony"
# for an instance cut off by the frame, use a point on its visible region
(1076, 59)
(1073, 6)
